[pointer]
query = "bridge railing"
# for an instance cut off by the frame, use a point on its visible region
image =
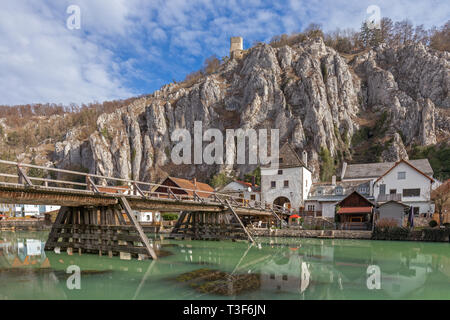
(57, 179)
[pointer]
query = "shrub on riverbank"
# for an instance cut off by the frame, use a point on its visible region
(437, 235)
(397, 233)
(169, 216)
(390, 233)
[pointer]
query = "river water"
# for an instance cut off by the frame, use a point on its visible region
(274, 268)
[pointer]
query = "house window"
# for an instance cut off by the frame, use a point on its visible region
(280, 172)
(311, 207)
(338, 190)
(273, 184)
(286, 183)
(382, 189)
(393, 191)
(319, 191)
(416, 211)
(401, 175)
(252, 197)
(285, 277)
(272, 276)
(411, 192)
(280, 160)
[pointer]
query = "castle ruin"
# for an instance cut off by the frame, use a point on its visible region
(236, 47)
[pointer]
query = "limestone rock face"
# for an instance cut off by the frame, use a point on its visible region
(311, 93)
(395, 150)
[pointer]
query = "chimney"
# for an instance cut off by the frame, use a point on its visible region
(333, 180)
(305, 157)
(194, 181)
(344, 167)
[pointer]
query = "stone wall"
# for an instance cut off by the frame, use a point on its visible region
(300, 233)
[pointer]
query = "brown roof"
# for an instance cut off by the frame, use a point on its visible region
(290, 157)
(188, 186)
(246, 184)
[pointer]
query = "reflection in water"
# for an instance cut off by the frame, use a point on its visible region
(271, 269)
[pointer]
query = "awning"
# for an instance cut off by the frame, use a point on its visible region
(296, 216)
(355, 210)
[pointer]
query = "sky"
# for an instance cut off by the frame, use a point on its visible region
(126, 48)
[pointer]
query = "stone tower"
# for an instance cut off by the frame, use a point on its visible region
(236, 47)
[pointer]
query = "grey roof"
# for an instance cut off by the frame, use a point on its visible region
(375, 170)
(328, 189)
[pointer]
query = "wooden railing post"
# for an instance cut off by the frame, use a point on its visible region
(23, 178)
(91, 185)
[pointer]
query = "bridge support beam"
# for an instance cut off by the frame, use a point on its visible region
(99, 230)
(223, 225)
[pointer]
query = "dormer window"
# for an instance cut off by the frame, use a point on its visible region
(338, 190)
(363, 190)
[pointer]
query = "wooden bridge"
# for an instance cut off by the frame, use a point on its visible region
(97, 212)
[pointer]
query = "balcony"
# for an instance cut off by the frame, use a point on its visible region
(389, 197)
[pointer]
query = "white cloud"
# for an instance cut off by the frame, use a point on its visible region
(135, 43)
(43, 61)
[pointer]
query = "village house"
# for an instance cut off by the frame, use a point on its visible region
(248, 192)
(288, 185)
(407, 182)
(324, 196)
(183, 188)
(355, 212)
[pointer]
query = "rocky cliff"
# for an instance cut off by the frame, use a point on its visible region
(315, 96)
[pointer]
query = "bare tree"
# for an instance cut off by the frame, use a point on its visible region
(441, 198)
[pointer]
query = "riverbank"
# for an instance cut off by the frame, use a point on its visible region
(301, 233)
(424, 235)
(24, 225)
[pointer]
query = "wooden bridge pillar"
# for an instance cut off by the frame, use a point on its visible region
(99, 230)
(210, 226)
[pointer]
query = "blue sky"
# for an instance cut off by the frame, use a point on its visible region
(126, 48)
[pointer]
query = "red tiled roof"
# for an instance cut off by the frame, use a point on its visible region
(355, 210)
(188, 186)
(247, 184)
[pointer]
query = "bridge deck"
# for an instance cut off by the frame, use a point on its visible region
(41, 195)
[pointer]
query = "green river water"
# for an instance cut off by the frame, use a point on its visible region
(274, 268)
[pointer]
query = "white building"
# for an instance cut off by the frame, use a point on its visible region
(26, 210)
(244, 190)
(406, 183)
(409, 182)
(147, 216)
(289, 185)
(323, 196)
